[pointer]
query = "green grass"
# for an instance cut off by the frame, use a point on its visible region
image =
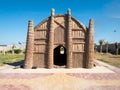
(9, 58)
(108, 58)
(106, 61)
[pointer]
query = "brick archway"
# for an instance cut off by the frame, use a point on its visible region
(60, 57)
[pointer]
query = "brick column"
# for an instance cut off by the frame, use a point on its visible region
(51, 41)
(69, 42)
(90, 57)
(29, 46)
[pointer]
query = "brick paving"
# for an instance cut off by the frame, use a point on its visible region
(96, 76)
(14, 87)
(103, 88)
(23, 75)
(62, 81)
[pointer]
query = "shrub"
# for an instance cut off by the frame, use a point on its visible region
(17, 51)
(9, 51)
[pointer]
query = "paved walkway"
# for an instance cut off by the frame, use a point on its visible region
(101, 77)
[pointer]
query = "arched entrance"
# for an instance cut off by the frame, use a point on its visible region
(60, 56)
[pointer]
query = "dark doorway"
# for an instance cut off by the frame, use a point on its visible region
(60, 55)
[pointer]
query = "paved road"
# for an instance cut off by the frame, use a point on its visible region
(101, 77)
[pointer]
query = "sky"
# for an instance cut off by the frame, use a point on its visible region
(14, 16)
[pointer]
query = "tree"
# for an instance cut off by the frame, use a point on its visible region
(13, 47)
(101, 43)
(106, 46)
(116, 48)
(95, 47)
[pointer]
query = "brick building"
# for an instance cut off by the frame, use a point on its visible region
(60, 40)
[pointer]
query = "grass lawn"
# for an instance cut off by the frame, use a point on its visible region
(108, 58)
(9, 58)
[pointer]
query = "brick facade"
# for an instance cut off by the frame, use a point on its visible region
(56, 34)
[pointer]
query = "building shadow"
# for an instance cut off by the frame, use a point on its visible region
(18, 64)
